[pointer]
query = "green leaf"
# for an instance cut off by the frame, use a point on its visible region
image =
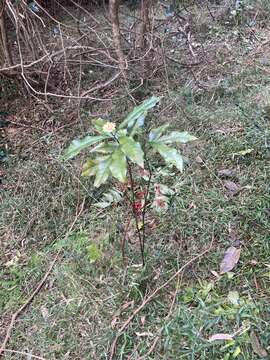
(109, 198)
(103, 171)
(94, 253)
(89, 168)
(105, 148)
(98, 124)
(157, 132)
(132, 150)
(137, 125)
(171, 156)
(118, 166)
(78, 145)
(177, 137)
(122, 132)
(138, 112)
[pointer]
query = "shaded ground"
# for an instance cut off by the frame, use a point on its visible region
(225, 103)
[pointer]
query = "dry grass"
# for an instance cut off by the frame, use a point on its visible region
(82, 305)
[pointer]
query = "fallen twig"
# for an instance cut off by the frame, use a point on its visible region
(29, 355)
(151, 297)
(36, 291)
(27, 302)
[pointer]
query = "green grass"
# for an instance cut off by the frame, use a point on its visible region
(77, 313)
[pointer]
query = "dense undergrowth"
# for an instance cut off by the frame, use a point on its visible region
(47, 207)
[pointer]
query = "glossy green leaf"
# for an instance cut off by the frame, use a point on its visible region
(98, 124)
(105, 148)
(78, 145)
(171, 156)
(138, 112)
(137, 125)
(89, 168)
(103, 171)
(122, 132)
(132, 150)
(177, 137)
(118, 165)
(157, 132)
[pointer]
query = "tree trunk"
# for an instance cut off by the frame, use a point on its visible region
(114, 15)
(145, 22)
(6, 57)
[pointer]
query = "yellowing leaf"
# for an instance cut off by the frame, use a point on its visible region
(89, 168)
(236, 352)
(94, 253)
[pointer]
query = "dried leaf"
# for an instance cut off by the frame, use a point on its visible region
(233, 297)
(142, 320)
(216, 274)
(234, 238)
(127, 304)
(44, 312)
(199, 160)
(243, 152)
(220, 337)
(256, 346)
(230, 259)
(114, 322)
(231, 186)
(226, 173)
(143, 334)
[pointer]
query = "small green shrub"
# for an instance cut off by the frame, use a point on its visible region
(128, 154)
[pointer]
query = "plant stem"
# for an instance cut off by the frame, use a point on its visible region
(135, 214)
(146, 195)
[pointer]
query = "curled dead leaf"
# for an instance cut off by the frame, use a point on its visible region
(114, 322)
(231, 186)
(230, 259)
(256, 346)
(226, 173)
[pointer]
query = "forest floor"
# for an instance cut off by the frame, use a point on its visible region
(48, 214)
